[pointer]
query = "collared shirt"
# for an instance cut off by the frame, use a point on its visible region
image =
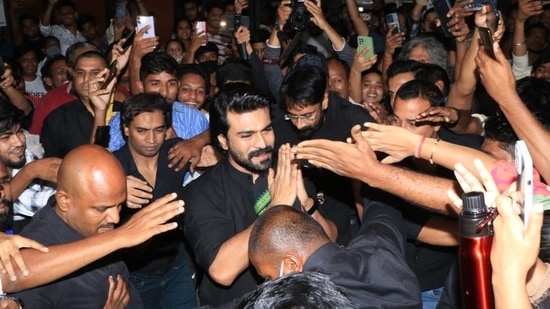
(86, 288)
(156, 256)
(186, 121)
(66, 38)
(371, 270)
(66, 128)
(218, 205)
(34, 197)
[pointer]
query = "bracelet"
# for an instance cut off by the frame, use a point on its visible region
(433, 151)
(419, 147)
(519, 44)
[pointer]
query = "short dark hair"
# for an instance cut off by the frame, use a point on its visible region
(304, 86)
(233, 71)
(24, 17)
(24, 49)
(64, 3)
(213, 5)
(144, 103)
(172, 41)
(239, 98)
(421, 89)
(498, 128)
(342, 63)
(531, 27)
(10, 116)
(156, 63)
(194, 68)
(299, 291)
(70, 53)
(404, 66)
(210, 47)
(85, 19)
(46, 70)
(93, 54)
(434, 73)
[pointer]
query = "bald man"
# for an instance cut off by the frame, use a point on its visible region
(371, 270)
(91, 190)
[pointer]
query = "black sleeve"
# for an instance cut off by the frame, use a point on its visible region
(48, 139)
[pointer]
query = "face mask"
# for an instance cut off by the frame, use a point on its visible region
(210, 66)
(178, 58)
(52, 51)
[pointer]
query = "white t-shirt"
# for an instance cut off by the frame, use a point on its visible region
(35, 88)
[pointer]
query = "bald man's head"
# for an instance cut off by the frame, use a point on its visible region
(284, 237)
(91, 189)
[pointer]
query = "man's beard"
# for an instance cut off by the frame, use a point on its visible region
(247, 162)
(16, 165)
(307, 132)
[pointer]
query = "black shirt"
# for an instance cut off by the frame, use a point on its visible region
(371, 270)
(66, 128)
(156, 256)
(340, 117)
(86, 288)
(218, 205)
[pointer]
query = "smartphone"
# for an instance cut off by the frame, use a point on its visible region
(441, 8)
(486, 41)
(200, 26)
(524, 166)
(232, 22)
(365, 41)
(112, 75)
(392, 19)
(143, 21)
(129, 40)
(120, 10)
(476, 5)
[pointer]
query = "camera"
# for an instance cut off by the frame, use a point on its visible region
(299, 19)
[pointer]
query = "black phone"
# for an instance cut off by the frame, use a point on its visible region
(486, 41)
(441, 8)
(129, 40)
(112, 75)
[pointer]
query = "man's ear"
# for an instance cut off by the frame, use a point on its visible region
(126, 130)
(440, 85)
(324, 104)
(223, 142)
(292, 263)
(63, 200)
(140, 87)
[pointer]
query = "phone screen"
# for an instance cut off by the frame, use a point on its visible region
(120, 10)
(524, 166)
(392, 19)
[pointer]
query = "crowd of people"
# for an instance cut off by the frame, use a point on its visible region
(145, 173)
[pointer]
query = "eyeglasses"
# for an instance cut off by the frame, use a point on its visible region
(307, 117)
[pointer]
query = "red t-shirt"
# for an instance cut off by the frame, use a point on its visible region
(52, 100)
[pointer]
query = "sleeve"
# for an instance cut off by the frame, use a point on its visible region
(520, 66)
(384, 221)
(259, 81)
(188, 122)
(45, 30)
(272, 71)
(346, 54)
(116, 139)
(48, 139)
(206, 226)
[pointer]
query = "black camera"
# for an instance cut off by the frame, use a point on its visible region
(299, 19)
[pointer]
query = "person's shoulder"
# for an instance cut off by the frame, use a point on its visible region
(210, 181)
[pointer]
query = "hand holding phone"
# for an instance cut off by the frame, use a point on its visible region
(112, 75)
(524, 166)
(129, 40)
(143, 21)
(365, 41)
(200, 26)
(392, 19)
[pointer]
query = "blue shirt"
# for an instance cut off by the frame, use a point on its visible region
(186, 121)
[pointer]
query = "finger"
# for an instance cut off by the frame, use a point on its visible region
(486, 177)
(111, 288)
(194, 161)
(473, 182)
(455, 199)
(462, 182)
(119, 288)
(535, 221)
(23, 242)
(270, 177)
(167, 212)
(390, 160)
(8, 266)
(158, 203)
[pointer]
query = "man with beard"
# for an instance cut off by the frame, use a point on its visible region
(159, 268)
(314, 112)
(223, 204)
(33, 179)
